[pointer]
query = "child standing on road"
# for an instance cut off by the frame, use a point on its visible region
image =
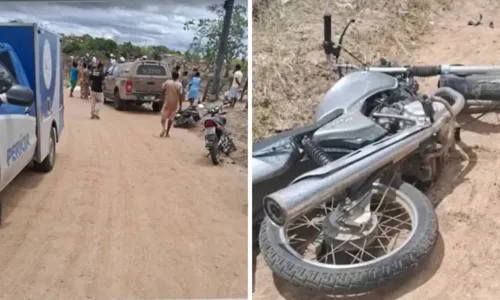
(96, 83)
(172, 97)
(73, 77)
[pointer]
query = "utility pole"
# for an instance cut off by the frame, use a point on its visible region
(228, 6)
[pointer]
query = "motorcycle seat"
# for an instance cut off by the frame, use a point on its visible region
(298, 133)
(221, 120)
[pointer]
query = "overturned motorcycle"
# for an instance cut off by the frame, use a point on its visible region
(340, 215)
(217, 138)
(188, 117)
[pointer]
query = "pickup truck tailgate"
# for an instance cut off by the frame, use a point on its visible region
(149, 79)
(151, 85)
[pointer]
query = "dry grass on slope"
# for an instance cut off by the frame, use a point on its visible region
(290, 73)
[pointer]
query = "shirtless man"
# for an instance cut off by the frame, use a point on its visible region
(172, 97)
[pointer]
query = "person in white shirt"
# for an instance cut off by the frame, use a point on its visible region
(235, 85)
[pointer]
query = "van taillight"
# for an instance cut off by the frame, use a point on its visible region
(128, 86)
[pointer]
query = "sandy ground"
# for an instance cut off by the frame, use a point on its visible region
(466, 261)
(125, 215)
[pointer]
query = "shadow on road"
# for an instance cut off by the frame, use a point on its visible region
(136, 109)
(255, 253)
(477, 123)
(16, 192)
(460, 163)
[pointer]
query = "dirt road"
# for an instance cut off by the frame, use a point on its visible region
(466, 261)
(125, 215)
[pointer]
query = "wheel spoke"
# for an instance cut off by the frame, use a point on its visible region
(395, 241)
(298, 226)
(394, 219)
(361, 249)
(382, 245)
(385, 191)
(334, 249)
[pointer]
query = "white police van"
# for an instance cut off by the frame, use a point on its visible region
(31, 99)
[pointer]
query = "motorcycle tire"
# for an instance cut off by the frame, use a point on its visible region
(360, 279)
(215, 153)
(157, 106)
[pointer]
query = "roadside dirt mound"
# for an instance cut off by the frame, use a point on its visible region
(466, 260)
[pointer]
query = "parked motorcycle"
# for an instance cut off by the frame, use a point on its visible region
(340, 215)
(188, 117)
(217, 138)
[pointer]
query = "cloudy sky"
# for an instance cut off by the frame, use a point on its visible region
(139, 21)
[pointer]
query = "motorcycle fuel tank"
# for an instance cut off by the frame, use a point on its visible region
(351, 131)
(351, 91)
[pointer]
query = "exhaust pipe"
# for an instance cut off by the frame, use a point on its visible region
(318, 186)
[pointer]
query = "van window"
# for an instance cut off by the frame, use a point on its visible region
(7, 74)
(151, 70)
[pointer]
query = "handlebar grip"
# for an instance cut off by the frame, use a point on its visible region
(425, 71)
(327, 26)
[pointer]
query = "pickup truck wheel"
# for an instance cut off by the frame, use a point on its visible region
(48, 163)
(118, 103)
(157, 106)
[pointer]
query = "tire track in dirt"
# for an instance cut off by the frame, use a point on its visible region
(125, 215)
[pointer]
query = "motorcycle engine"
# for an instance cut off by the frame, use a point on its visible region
(405, 103)
(417, 168)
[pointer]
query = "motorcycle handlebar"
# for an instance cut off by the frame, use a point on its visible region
(428, 71)
(417, 71)
(327, 26)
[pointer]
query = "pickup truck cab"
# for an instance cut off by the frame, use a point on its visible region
(31, 99)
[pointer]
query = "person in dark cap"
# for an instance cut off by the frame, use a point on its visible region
(96, 88)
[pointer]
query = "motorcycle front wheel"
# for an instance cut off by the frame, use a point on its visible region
(351, 268)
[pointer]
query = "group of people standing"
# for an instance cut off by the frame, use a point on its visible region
(90, 77)
(176, 89)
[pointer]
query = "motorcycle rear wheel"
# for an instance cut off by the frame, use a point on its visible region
(356, 278)
(156, 106)
(214, 152)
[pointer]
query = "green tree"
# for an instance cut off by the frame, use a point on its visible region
(205, 43)
(101, 47)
